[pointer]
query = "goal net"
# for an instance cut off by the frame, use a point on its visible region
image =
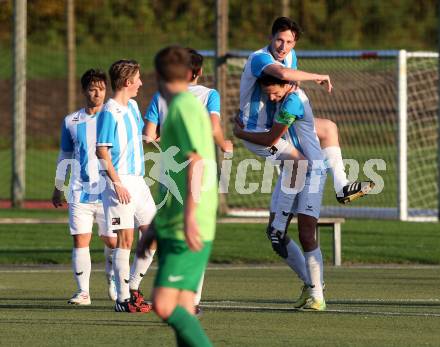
(385, 104)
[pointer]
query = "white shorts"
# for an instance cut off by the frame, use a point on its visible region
(138, 212)
(308, 201)
(81, 217)
(281, 150)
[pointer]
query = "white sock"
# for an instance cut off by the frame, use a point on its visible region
(315, 269)
(198, 295)
(296, 261)
(82, 266)
(139, 268)
(334, 157)
(121, 266)
(108, 255)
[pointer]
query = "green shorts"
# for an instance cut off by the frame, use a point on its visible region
(179, 267)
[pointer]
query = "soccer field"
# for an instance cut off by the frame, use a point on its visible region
(243, 306)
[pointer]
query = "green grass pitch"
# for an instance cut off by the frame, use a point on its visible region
(243, 306)
(248, 292)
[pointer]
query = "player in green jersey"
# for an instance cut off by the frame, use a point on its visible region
(184, 226)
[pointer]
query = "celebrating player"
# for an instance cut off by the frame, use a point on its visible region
(294, 118)
(78, 141)
(279, 60)
(185, 231)
(127, 200)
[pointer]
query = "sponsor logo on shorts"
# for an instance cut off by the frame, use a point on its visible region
(79, 273)
(172, 278)
(116, 221)
(309, 208)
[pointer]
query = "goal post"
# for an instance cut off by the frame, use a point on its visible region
(385, 104)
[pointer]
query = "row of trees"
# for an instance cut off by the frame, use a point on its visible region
(327, 24)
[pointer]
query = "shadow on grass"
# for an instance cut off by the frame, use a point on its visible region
(66, 306)
(49, 299)
(101, 323)
(43, 251)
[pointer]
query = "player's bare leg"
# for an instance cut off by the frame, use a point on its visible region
(346, 192)
(313, 259)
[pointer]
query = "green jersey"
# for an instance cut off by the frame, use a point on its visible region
(186, 129)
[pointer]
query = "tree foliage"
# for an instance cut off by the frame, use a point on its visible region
(327, 24)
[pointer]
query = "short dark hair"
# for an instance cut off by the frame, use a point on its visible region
(172, 63)
(283, 24)
(121, 71)
(91, 76)
(196, 62)
(269, 80)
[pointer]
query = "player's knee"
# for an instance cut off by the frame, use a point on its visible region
(162, 308)
(328, 130)
(125, 239)
(307, 239)
(110, 242)
(81, 240)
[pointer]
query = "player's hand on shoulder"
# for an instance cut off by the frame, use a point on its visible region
(192, 233)
(122, 193)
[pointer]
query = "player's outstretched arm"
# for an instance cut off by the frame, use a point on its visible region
(193, 186)
(287, 74)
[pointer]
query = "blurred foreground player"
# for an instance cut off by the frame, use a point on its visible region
(184, 230)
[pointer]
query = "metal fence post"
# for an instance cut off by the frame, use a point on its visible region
(19, 104)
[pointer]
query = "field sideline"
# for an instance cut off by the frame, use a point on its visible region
(363, 242)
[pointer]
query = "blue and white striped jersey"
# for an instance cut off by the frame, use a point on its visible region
(302, 133)
(120, 128)
(256, 112)
(78, 136)
(157, 110)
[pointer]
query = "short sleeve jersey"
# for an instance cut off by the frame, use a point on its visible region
(296, 111)
(188, 129)
(78, 136)
(120, 128)
(157, 110)
(256, 112)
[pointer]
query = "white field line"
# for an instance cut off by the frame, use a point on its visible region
(57, 269)
(328, 311)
